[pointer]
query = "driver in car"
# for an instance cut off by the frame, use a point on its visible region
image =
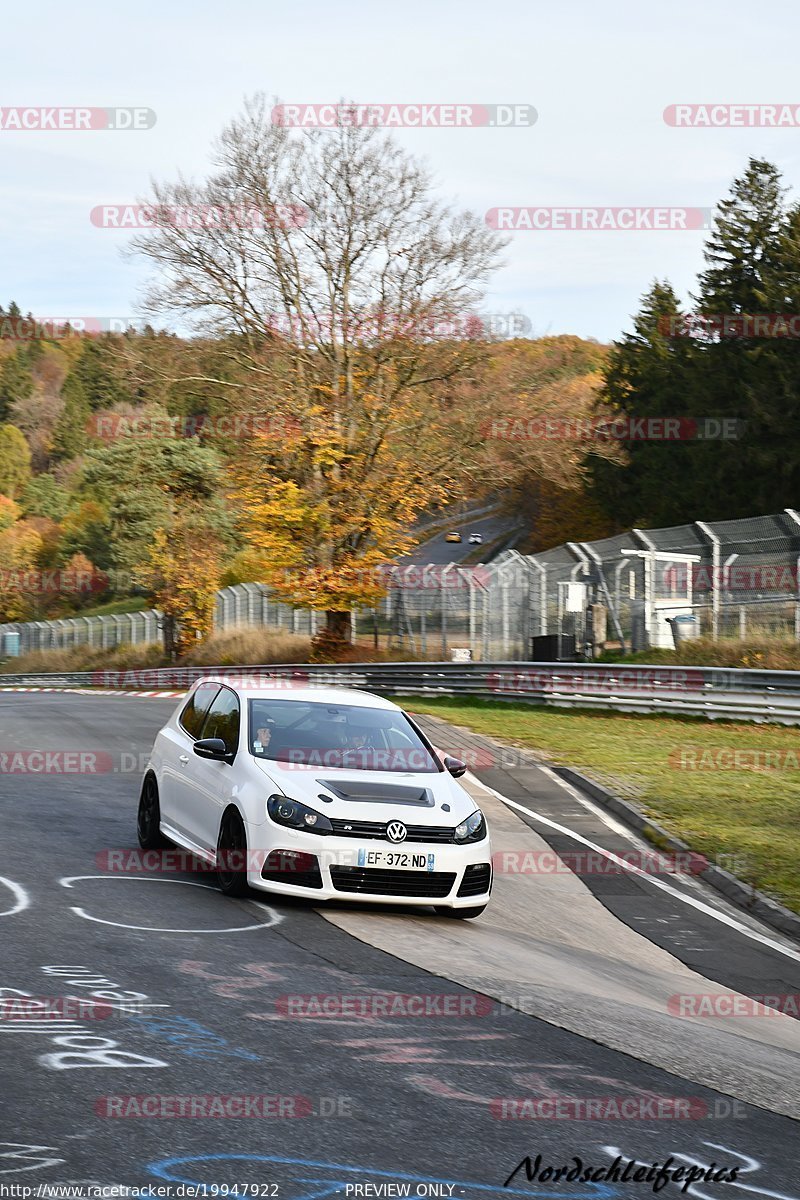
(358, 748)
(263, 737)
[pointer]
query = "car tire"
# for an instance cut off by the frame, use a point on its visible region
(232, 841)
(148, 818)
(461, 914)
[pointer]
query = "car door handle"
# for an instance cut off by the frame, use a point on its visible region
(184, 758)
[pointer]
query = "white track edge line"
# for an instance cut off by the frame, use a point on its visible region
(658, 883)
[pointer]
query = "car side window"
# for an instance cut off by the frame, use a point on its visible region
(222, 720)
(198, 704)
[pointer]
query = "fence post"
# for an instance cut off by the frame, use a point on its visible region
(443, 581)
(715, 573)
(650, 617)
(542, 569)
(423, 625)
(472, 613)
(486, 618)
(504, 626)
(602, 587)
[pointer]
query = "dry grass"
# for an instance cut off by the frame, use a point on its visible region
(85, 658)
(731, 791)
(774, 654)
(249, 646)
(245, 646)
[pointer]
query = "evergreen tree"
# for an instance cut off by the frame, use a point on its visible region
(16, 382)
(71, 434)
(649, 375)
(714, 371)
(97, 370)
(140, 481)
(753, 268)
(15, 461)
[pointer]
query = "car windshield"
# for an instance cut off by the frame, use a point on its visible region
(316, 734)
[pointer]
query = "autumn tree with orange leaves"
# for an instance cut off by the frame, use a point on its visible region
(340, 289)
(182, 574)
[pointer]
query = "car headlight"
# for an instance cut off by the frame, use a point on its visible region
(471, 830)
(295, 815)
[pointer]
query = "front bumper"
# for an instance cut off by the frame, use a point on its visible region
(341, 873)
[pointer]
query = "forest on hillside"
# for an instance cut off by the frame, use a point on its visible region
(156, 468)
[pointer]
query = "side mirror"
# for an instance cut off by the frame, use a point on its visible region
(454, 765)
(212, 748)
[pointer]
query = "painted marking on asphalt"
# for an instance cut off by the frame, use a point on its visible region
(344, 1176)
(21, 897)
(593, 808)
(715, 913)
(23, 1152)
(76, 691)
(68, 880)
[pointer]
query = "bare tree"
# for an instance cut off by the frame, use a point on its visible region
(341, 290)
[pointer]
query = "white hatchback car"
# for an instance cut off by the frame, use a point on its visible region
(326, 793)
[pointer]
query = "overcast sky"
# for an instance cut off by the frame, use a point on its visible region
(599, 76)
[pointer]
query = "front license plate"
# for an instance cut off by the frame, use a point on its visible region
(402, 859)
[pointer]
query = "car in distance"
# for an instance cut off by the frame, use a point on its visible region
(452, 536)
(476, 539)
(327, 793)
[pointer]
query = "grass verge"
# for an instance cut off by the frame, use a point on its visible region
(244, 646)
(773, 654)
(727, 789)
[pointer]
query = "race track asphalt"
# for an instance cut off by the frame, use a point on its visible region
(349, 1102)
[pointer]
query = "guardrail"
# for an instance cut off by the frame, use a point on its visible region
(712, 692)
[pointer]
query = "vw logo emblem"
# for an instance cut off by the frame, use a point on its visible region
(396, 831)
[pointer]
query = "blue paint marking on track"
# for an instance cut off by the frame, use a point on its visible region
(345, 1171)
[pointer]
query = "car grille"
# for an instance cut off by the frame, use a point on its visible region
(477, 880)
(377, 882)
(442, 834)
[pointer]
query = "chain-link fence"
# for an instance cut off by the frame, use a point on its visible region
(721, 579)
(736, 579)
(246, 605)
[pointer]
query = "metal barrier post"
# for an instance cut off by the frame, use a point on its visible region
(715, 543)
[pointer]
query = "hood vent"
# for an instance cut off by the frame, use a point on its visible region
(379, 793)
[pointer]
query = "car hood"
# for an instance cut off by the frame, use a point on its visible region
(413, 796)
